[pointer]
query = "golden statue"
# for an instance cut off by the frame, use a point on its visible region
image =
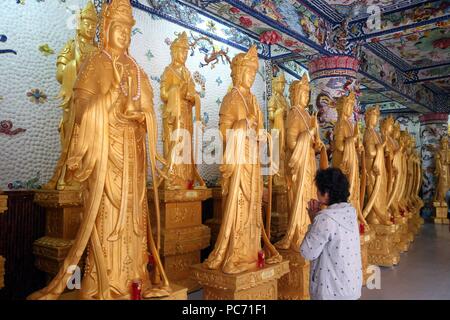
(405, 173)
(114, 102)
(179, 97)
(303, 142)
(278, 108)
(393, 154)
(347, 148)
(442, 172)
(376, 208)
(68, 65)
(239, 241)
(418, 176)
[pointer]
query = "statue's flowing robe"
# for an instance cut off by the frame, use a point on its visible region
(110, 154)
(239, 239)
(396, 177)
(348, 162)
(72, 57)
(442, 171)
(302, 167)
(279, 107)
(177, 114)
(376, 206)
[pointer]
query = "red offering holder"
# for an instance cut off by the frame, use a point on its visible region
(261, 259)
(191, 185)
(362, 228)
(136, 290)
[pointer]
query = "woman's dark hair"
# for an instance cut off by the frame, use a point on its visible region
(334, 182)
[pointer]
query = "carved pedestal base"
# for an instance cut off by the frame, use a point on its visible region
(280, 218)
(295, 284)
(441, 216)
(178, 293)
(260, 284)
(216, 221)
(63, 212)
(182, 233)
(405, 236)
(382, 250)
(365, 239)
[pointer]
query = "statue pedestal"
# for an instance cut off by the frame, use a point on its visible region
(441, 216)
(279, 216)
(178, 293)
(3, 208)
(295, 284)
(216, 221)
(259, 284)
(365, 239)
(382, 250)
(63, 214)
(403, 234)
(182, 233)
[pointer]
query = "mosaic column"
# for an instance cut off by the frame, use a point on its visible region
(433, 126)
(331, 78)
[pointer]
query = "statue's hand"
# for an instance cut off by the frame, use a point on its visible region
(118, 72)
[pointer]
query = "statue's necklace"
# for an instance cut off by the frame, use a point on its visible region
(124, 92)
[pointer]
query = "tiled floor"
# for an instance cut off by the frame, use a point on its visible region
(423, 272)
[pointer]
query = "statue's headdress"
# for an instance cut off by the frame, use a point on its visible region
(116, 10)
(89, 12)
(181, 42)
(344, 99)
(249, 59)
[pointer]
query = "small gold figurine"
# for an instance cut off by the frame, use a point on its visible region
(239, 241)
(442, 172)
(303, 142)
(278, 108)
(108, 156)
(376, 209)
(179, 97)
(68, 64)
(347, 149)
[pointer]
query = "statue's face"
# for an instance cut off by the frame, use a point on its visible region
(279, 87)
(304, 98)
(372, 120)
(248, 77)
(347, 109)
(180, 55)
(444, 144)
(87, 28)
(387, 128)
(120, 36)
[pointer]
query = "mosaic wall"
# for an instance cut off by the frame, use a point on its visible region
(29, 111)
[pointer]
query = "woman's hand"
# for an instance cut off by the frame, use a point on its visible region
(313, 209)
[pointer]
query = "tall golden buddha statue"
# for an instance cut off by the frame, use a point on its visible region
(278, 108)
(406, 174)
(303, 142)
(179, 97)
(347, 149)
(418, 174)
(114, 104)
(239, 241)
(393, 156)
(442, 171)
(376, 208)
(68, 65)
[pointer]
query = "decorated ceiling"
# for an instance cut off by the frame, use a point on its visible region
(403, 46)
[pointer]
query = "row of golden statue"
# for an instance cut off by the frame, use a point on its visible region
(131, 241)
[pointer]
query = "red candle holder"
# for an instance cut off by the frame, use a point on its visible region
(362, 228)
(261, 259)
(136, 290)
(190, 184)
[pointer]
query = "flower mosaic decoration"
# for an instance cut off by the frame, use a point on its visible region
(46, 50)
(6, 127)
(270, 37)
(201, 81)
(37, 96)
(4, 38)
(149, 55)
(32, 184)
